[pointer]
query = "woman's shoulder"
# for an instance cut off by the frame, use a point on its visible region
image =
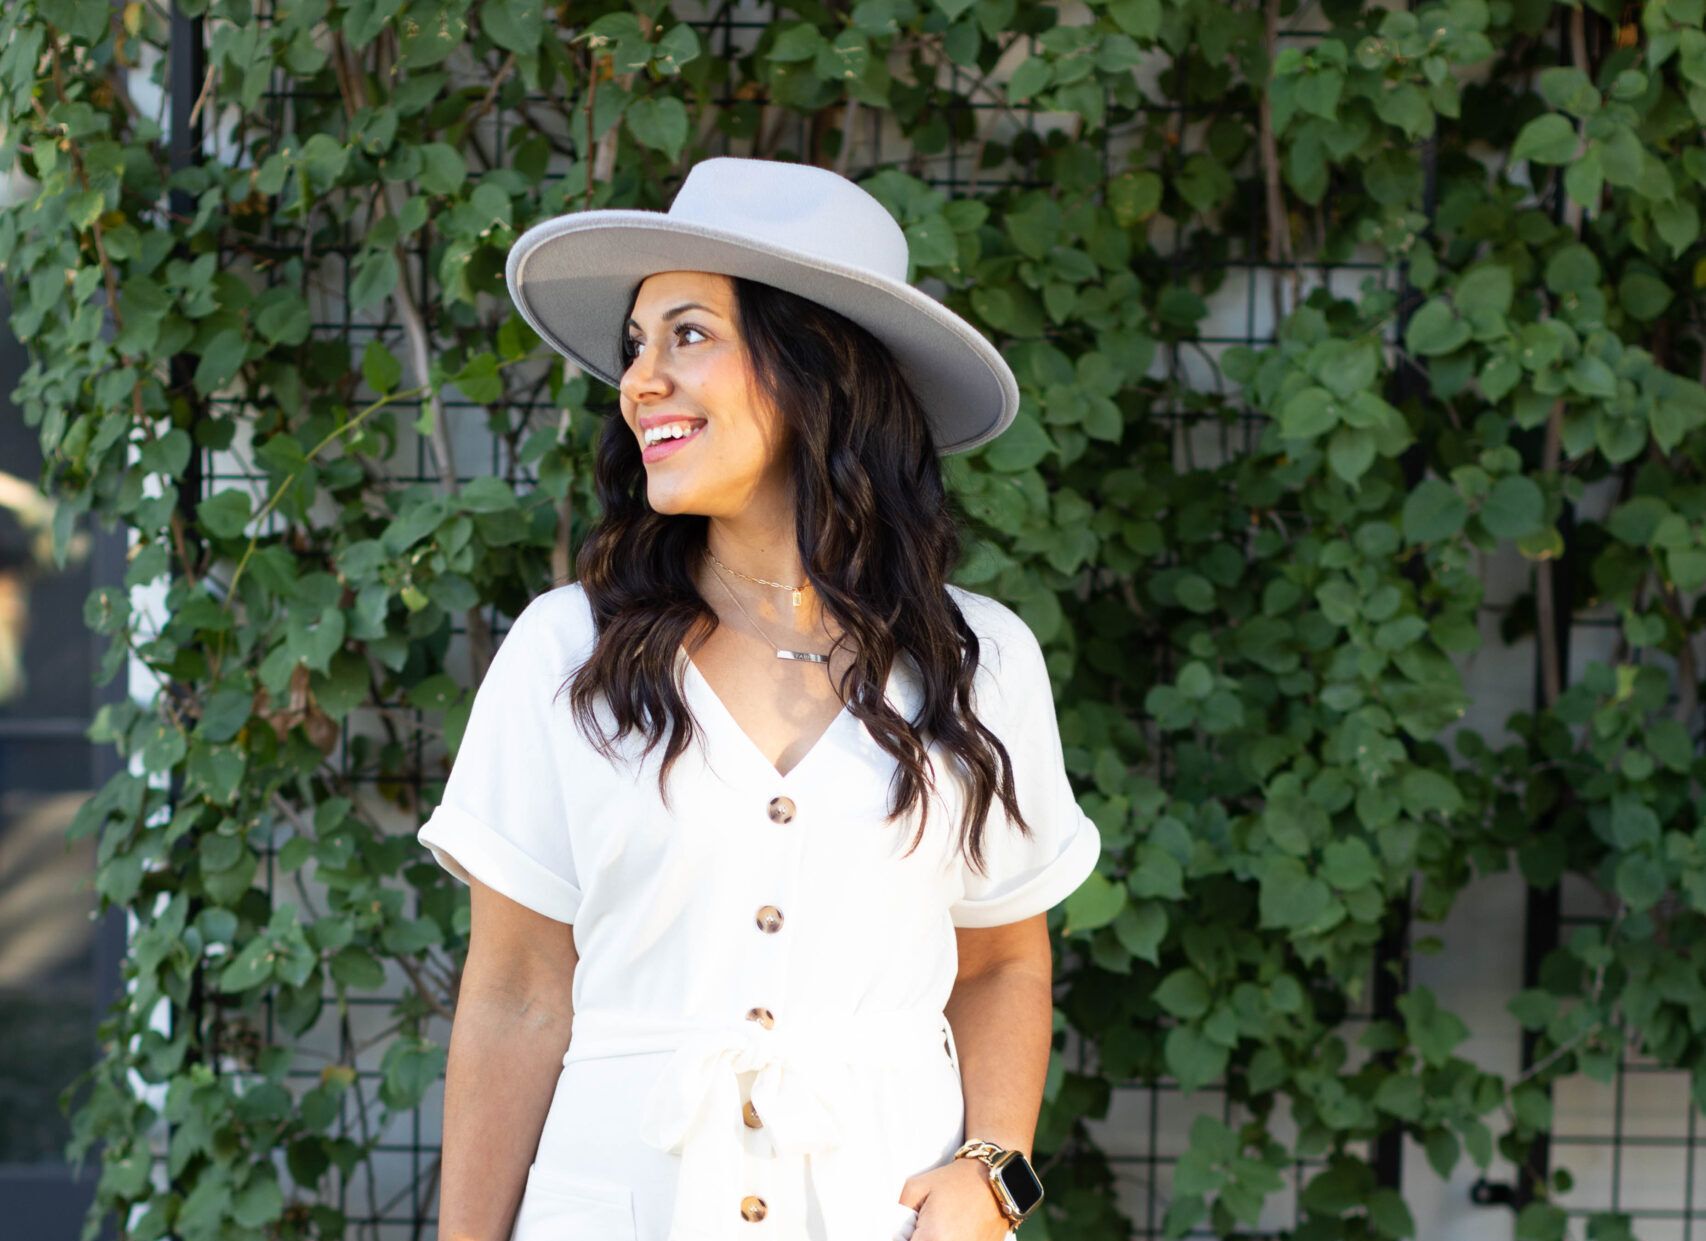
(1005, 641)
(559, 619)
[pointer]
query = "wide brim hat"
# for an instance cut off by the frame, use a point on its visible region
(795, 226)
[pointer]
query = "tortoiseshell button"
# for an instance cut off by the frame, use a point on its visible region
(762, 1016)
(752, 1208)
(769, 919)
(749, 1114)
(781, 810)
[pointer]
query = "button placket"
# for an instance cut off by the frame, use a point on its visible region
(778, 873)
(781, 810)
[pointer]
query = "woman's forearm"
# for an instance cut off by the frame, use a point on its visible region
(1003, 1021)
(505, 1054)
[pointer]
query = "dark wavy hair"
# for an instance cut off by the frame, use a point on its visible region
(878, 535)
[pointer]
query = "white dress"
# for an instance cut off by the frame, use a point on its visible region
(758, 1049)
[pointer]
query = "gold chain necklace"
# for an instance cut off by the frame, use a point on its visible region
(798, 590)
(781, 652)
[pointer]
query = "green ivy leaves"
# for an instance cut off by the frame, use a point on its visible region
(514, 25)
(1258, 560)
(1549, 139)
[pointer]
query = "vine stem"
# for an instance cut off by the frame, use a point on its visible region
(1279, 227)
(592, 59)
(485, 103)
(206, 90)
(1595, 991)
(348, 1038)
(562, 551)
(290, 479)
(1545, 604)
(1579, 57)
(308, 457)
(996, 97)
(433, 1002)
(354, 92)
(848, 114)
(1688, 674)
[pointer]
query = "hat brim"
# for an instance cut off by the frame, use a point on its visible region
(572, 278)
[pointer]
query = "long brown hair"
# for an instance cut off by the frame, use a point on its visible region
(878, 534)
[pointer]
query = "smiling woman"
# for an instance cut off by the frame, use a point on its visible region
(690, 381)
(815, 463)
(803, 802)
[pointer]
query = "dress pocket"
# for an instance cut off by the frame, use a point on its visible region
(556, 1206)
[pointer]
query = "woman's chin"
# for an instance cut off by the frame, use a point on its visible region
(670, 499)
(682, 491)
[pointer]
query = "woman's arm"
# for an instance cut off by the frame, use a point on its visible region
(1002, 1012)
(507, 1041)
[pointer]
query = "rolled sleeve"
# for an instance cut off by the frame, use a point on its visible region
(1038, 888)
(1025, 875)
(504, 818)
(465, 846)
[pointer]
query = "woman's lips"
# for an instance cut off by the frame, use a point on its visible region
(663, 448)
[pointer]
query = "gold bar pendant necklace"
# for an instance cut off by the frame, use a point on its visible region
(781, 652)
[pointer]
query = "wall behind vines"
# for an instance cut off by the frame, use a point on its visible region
(262, 285)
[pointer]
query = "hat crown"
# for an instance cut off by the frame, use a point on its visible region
(797, 207)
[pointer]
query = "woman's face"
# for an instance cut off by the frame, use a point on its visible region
(690, 382)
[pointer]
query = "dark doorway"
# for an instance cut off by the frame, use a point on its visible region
(59, 961)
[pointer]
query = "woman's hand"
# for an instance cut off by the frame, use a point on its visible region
(955, 1203)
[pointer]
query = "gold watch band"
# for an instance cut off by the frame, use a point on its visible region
(981, 1150)
(987, 1153)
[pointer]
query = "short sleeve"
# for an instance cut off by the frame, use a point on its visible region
(503, 817)
(1024, 875)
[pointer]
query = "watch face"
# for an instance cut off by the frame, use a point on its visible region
(1021, 1183)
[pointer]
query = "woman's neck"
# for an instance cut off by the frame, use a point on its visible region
(762, 554)
(768, 551)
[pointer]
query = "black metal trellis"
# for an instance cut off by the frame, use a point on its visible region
(186, 67)
(1161, 1114)
(1602, 1163)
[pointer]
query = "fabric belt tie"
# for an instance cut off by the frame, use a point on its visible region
(807, 1093)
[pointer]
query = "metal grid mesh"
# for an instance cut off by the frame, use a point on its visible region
(1631, 1146)
(1147, 1131)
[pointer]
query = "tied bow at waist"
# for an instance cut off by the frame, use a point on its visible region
(807, 1092)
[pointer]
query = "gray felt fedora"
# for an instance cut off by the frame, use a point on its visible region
(796, 226)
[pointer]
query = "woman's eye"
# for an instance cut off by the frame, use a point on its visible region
(632, 345)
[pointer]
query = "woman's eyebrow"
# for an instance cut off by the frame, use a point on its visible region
(680, 310)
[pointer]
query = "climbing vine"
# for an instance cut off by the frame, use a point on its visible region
(1255, 568)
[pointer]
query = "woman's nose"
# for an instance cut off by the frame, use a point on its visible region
(643, 376)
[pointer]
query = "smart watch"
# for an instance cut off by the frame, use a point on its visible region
(1011, 1179)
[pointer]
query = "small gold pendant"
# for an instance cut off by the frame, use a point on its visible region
(797, 598)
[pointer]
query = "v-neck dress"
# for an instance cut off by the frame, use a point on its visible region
(758, 1050)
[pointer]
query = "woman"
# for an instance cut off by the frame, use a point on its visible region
(783, 846)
